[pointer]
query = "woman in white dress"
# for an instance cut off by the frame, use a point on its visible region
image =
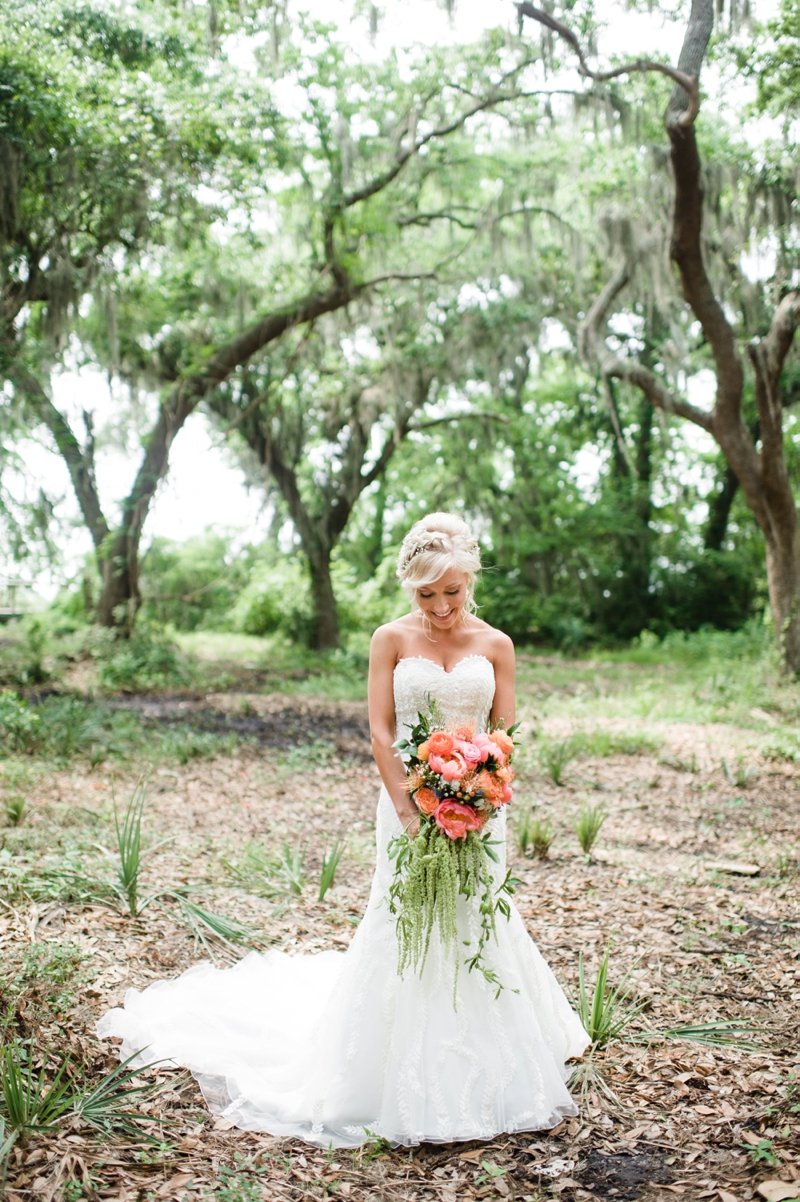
(335, 1047)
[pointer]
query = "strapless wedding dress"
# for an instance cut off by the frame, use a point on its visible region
(333, 1046)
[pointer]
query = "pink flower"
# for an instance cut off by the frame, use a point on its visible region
(506, 795)
(450, 769)
(470, 752)
(486, 747)
(456, 819)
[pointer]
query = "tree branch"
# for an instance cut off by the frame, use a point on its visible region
(79, 462)
(592, 349)
(379, 182)
(767, 356)
(688, 83)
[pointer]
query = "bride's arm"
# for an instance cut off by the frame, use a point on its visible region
(504, 704)
(382, 661)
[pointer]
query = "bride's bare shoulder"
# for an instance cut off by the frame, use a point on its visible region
(389, 638)
(498, 644)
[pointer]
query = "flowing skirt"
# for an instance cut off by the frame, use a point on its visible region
(335, 1047)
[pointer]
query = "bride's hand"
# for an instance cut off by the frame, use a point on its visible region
(410, 823)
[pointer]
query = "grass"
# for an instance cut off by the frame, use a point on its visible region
(605, 1011)
(588, 825)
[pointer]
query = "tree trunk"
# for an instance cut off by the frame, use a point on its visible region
(326, 618)
(783, 578)
(119, 598)
(719, 510)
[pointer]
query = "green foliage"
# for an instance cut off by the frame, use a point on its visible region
(130, 853)
(36, 1099)
(270, 872)
(605, 1011)
(207, 926)
(185, 743)
(330, 862)
(555, 755)
(146, 662)
(588, 824)
(16, 806)
(30, 1100)
(534, 835)
(61, 727)
(51, 972)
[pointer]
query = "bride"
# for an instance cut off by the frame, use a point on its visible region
(335, 1047)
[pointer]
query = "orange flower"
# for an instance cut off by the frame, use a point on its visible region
(427, 800)
(422, 751)
(505, 774)
(491, 787)
(465, 732)
(503, 741)
(441, 743)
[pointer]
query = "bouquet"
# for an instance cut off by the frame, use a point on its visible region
(458, 778)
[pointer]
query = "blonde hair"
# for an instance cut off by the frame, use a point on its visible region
(434, 545)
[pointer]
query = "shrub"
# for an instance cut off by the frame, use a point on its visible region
(146, 662)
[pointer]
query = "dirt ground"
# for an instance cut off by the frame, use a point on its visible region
(664, 1118)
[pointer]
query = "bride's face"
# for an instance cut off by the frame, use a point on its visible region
(443, 602)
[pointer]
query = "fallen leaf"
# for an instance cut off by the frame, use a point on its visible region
(726, 1197)
(777, 1191)
(174, 1184)
(733, 868)
(704, 1110)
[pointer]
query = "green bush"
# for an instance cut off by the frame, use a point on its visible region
(718, 589)
(146, 662)
(20, 726)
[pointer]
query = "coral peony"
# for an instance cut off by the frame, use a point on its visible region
(503, 741)
(505, 796)
(426, 799)
(486, 746)
(465, 732)
(440, 743)
(470, 752)
(454, 768)
(423, 750)
(505, 774)
(456, 819)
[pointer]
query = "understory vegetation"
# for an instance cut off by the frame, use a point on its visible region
(654, 831)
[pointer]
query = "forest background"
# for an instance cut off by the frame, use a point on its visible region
(366, 267)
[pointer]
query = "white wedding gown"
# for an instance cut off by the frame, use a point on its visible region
(332, 1046)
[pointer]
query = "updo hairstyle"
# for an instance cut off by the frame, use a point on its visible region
(434, 545)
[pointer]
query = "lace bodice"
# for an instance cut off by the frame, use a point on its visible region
(465, 694)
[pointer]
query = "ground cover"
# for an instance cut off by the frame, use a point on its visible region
(690, 764)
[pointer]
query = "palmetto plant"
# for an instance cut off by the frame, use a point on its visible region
(29, 1101)
(291, 866)
(605, 1011)
(555, 755)
(34, 1100)
(205, 925)
(534, 835)
(130, 854)
(588, 824)
(330, 862)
